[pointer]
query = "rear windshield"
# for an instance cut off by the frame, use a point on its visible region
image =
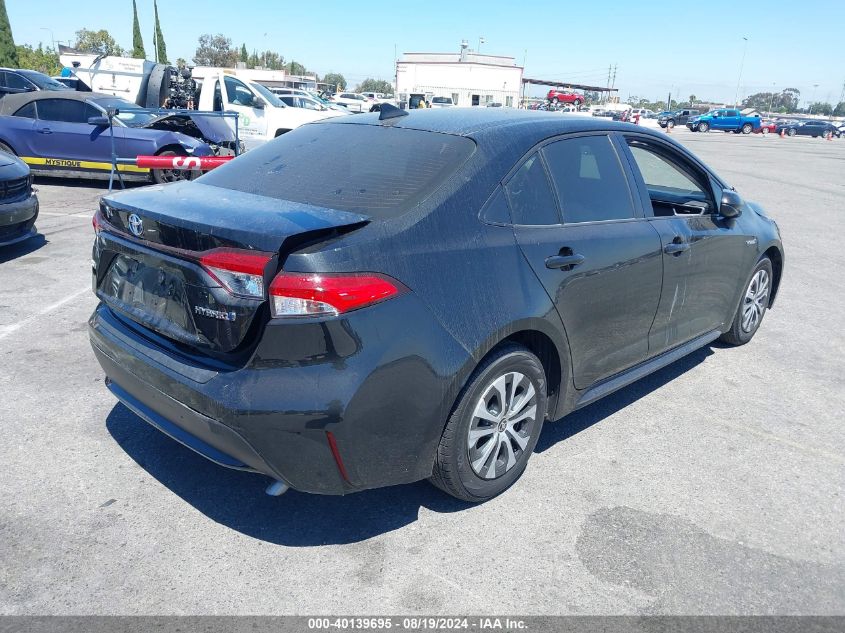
(375, 170)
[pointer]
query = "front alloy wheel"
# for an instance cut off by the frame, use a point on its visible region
(752, 308)
(756, 300)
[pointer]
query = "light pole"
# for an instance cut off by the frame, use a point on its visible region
(813, 99)
(739, 79)
(50, 31)
(480, 42)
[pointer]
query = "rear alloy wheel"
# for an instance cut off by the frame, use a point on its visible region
(494, 427)
(576, 103)
(747, 128)
(703, 127)
(764, 131)
(790, 132)
(163, 176)
(670, 124)
(555, 100)
(752, 308)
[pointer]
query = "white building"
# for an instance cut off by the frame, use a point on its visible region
(469, 78)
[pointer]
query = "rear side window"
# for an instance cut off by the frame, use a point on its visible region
(27, 112)
(65, 110)
(590, 183)
(531, 199)
(374, 170)
(14, 80)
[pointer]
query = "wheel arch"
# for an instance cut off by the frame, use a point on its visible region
(9, 145)
(775, 255)
(549, 346)
(171, 147)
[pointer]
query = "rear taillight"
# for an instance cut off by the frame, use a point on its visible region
(240, 272)
(97, 222)
(312, 294)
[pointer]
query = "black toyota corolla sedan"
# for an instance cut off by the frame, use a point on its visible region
(340, 324)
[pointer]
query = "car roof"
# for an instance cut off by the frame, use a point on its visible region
(13, 102)
(494, 124)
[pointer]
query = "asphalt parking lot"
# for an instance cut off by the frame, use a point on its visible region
(713, 486)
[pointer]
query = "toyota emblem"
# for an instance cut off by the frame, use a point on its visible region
(136, 224)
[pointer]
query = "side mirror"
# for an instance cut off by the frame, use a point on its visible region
(731, 204)
(99, 121)
(257, 103)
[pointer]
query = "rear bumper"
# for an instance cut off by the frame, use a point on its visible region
(17, 220)
(381, 392)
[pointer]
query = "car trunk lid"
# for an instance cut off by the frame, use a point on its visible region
(193, 262)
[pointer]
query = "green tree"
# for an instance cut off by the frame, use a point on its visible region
(820, 107)
(43, 60)
(272, 60)
(244, 54)
(335, 79)
(137, 41)
(839, 110)
(8, 52)
(99, 42)
(295, 68)
(254, 60)
(181, 62)
(161, 48)
(215, 50)
(375, 85)
(785, 101)
(691, 101)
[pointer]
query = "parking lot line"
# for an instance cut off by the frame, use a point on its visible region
(6, 330)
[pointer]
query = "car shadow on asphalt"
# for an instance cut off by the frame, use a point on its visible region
(8, 253)
(236, 499)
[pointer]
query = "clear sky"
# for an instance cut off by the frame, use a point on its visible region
(684, 47)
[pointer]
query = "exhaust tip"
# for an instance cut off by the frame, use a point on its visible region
(277, 488)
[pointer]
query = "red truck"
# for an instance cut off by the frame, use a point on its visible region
(561, 96)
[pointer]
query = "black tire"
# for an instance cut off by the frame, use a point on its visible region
(164, 176)
(7, 149)
(747, 128)
(453, 471)
(740, 334)
(555, 100)
(791, 132)
(703, 127)
(576, 103)
(670, 124)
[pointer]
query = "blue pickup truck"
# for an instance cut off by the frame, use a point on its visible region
(725, 119)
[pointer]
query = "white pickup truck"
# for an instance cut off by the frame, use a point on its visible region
(262, 116)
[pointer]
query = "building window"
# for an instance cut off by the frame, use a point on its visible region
(454, 98)
(509, 102)
(488, 98)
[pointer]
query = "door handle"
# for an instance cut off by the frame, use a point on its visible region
(45, 130)
(565, 262)
(676, 248)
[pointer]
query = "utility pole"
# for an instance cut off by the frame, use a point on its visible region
(739, 78)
